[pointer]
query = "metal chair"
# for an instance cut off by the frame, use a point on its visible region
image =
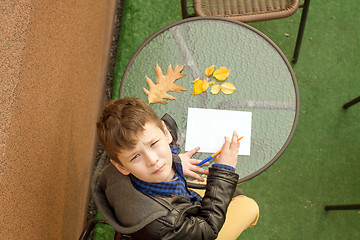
(90, 227)
(250, 11)
(352, 102)
(345, 206)
(97, 193)
(100, 196)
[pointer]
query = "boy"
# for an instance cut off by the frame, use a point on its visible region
(143, 190)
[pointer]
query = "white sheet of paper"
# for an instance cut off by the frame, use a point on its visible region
(206, 128)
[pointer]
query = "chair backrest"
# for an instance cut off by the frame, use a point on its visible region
(108, 186)
(99, 196)
(246, 10)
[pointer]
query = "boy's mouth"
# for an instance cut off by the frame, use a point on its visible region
(159, 169)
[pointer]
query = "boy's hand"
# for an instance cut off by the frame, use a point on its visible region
(229, 151)
(189, 165)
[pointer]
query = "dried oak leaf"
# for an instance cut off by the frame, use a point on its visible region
(164, 83)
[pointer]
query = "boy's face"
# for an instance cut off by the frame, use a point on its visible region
(151, 159)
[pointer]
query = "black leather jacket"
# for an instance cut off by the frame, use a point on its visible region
(142, 216)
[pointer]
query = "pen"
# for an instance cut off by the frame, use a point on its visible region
(213, 155)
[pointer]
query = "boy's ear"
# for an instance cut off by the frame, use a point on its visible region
(120, 167)
(167, 133)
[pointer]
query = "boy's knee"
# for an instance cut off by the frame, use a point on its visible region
(253, 209)
(243, 213)
(253, 205)
(248, 207)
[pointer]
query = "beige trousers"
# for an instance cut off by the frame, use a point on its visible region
(242, 213)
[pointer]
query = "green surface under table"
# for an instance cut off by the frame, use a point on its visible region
(265, 82)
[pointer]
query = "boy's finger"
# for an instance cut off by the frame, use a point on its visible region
(234, 137)
(193, 151)
(234, 143)
(205, 164)
(197, 161)
(227, 141)
(201, 170)
(195, 176)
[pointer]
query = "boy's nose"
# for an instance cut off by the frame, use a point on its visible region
(151, 158)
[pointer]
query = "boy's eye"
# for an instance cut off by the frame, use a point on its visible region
(134, 157)
(154, 143)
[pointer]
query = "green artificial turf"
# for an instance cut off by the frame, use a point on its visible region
(321, 164)
(140, 19)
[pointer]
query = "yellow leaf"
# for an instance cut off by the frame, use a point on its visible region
(228, 88)
(196, 80)
(212, 83)
(209, 70)
(205, 85)
(198, 87)
(222, 73)
(164, 83)
(215, 89)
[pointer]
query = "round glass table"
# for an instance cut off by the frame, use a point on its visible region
(265, 82)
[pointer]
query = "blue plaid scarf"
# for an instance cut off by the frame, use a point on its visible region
(177, 186)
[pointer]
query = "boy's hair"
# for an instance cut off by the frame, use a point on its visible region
(120, 123)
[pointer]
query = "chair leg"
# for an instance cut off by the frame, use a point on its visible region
(88, 229)
(301, 30)
(352, 102)
(117, 236)
(343, 207)
(184, 10)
